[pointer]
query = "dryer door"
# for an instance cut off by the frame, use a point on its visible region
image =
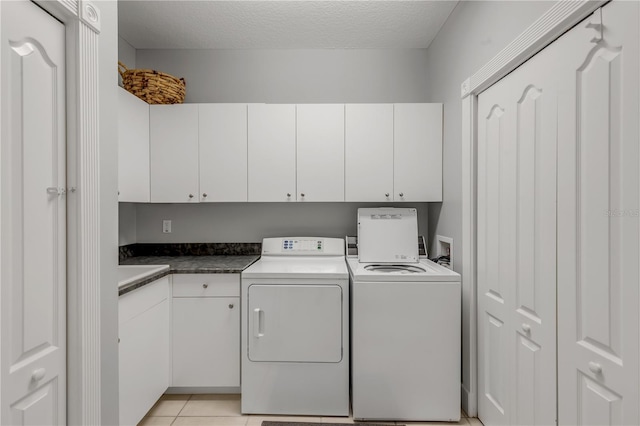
(295, 323)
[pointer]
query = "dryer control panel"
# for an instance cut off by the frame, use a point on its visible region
(302, 246)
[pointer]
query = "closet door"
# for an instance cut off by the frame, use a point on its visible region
(598, 225)
(517, 247)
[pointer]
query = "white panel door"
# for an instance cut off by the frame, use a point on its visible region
(369, 152)
(517, 247)
(598, 228)
(173, 140)
(206, 341)
(294, 323)
(133, 148)
(32, 218)
(272, 152)
(223, 152)
(417, 152)
(320, 152)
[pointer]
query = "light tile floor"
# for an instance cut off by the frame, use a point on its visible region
(224, 410)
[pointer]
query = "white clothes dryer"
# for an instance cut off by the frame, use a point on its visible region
(405, 324)
(295, 329)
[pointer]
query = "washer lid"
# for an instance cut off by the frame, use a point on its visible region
(363, 273)
(388, 235)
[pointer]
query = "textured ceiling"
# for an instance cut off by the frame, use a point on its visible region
(152, 24)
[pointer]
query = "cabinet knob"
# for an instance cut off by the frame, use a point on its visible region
(230, 305)
(205, 285)
(595, 367)
(190, 195)
(38, 374)
(302, 194)
(526, 328)
(401, 194)
(204, 195)
(288, 194)
(386, 194)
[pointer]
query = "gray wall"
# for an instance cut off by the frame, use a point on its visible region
(250, 222)
(295, 76)
(474, 33)
(126, 55)
(127, 224)
(276, 76)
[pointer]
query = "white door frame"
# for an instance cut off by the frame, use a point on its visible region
(82, 25)
(552, 24)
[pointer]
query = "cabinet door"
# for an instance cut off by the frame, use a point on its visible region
(206, 341)
(320, 152)
(223, 152)
(272, 152)
(144, 362)
(417, 152)
(174, 153)
(369, 152)
(133, 148)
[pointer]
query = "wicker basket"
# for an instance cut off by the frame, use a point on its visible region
(152, 86)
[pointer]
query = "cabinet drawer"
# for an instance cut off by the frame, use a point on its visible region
(206, 285)
(140, 300)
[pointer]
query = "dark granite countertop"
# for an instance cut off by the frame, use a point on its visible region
(188, 265)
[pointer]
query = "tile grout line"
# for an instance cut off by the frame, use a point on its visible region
(185, 404)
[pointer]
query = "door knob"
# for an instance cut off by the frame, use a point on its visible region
(386, 194)
(205, 285)
(190, 195)
(204, 195)
(401, 194)
(302, 194)
(595, 367)
(38, 374)
(526, 328)
(288, 194)
(230, 305)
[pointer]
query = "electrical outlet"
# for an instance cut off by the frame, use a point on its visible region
(166, 226)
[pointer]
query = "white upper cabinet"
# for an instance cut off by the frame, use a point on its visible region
(174, 153)
(223, 152)
(133, 148)
(417, 152)
(282, 152)
(393, 152)
(272, 152)
(369, 152)
(320, 152)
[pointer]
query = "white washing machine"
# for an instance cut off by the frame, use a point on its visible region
(295, 329)
(405, 324)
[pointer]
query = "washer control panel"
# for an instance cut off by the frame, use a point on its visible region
(303, 246)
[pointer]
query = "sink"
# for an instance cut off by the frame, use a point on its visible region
(130, 273)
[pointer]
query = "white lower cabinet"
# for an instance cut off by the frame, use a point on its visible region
(206, 330)
(143, 349)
